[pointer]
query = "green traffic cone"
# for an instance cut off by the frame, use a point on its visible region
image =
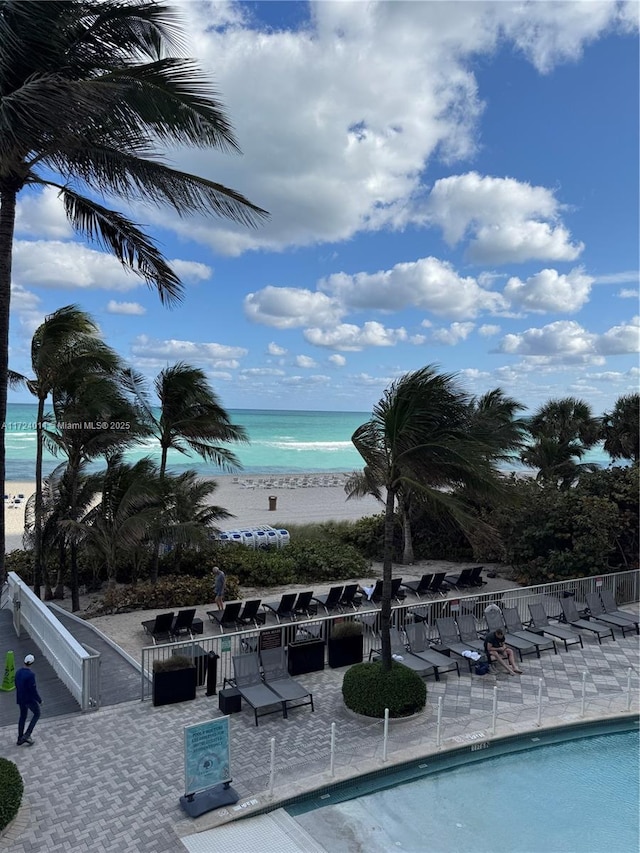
(9, 680)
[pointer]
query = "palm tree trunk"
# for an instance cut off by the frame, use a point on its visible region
(387, 571)
(38, 567)
(155, 556)
(7, 223)
(407, 534)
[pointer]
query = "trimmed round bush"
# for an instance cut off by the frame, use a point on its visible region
(368, 689)
(11, 790)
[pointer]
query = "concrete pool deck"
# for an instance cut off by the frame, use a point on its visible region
(110, 780)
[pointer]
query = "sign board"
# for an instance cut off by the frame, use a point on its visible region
(598, 582)
(225, 644)
(271, 638)
(207, 755)
(455, 605)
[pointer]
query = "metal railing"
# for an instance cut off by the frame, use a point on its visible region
(77, 668)
(625, 586)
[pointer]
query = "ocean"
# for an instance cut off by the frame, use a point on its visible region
(280, 442)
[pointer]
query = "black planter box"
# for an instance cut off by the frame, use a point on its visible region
(307, 656)
(345, 651)
(176, 685)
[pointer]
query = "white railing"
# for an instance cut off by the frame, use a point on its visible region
(77, 668)
(625, 586)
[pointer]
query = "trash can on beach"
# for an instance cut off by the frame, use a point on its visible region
(273, 500)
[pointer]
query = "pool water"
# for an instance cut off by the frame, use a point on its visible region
(579, 796)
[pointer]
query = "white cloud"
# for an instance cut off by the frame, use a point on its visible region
(505, 220)
(627, 293)
(629, 276)
(25, 305)
(570, 342)
(262, 371)
(274, 349)
(289, 307)
(151, 352)
(428, 283)
(548, 290)
(454, 334)
(351, 338)
(130, 308)
(191, 271)
(305, 381)
(305, 361)
(488, 331)
(621, 339)
(41, 214)
(337, 360)
(68, 266)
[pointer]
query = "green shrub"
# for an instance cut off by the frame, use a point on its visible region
(169, 592)
(11, 790)
(368, 689)
(173, 663)
(349, 628)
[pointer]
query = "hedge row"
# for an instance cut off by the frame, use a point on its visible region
(11, 790)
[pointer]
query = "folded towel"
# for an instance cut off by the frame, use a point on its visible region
(468, 653)
(397, 657)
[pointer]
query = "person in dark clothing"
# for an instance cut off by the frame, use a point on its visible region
(28, 699)
(497, 650)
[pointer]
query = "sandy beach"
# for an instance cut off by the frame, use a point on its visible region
(249, 505)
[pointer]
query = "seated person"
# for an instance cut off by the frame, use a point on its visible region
(498, 651)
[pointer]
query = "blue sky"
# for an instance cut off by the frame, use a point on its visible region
(448, 182)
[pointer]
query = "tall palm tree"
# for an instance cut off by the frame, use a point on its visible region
(191, 420)
(418, 440)
(66, 343)
(621, 429)
(562, 431)
(89, 92)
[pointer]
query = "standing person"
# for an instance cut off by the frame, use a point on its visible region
(218, 589)
(28, 699)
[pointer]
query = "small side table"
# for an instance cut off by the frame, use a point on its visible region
(230, 700)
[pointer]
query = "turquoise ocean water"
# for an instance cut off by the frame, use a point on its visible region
(280, 442)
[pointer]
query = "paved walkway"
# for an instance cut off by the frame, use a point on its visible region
(109, 781)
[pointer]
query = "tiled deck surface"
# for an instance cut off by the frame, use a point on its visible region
(110, 780)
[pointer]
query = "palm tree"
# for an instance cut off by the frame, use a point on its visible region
(418, 441)
(562, 431)
(66, 343)
(191, 420)
(89, 91)
(621, 429)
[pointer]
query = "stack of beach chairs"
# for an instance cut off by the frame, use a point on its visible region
(292, 482)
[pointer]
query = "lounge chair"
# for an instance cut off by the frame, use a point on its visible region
(250, 615)
(469, 633)
(514, 626)
(573, 618)
(540, 621)
(420, 587)
(495, 622)
(419, 646)
(183, 622)
(332, 599)
(160, 628)
(403, 657)
(436, 584)
(227, 617)
(597, 610)
(348, 598)
(609, 602)
(277, 678)
(459, 581)
(476, 576)
(303, 605)
(450, 640)
(282, 609)
(246, 670)
(396, 583)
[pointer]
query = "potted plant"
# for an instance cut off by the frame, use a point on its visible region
(174, 680)
(345, 644)
(305, 655)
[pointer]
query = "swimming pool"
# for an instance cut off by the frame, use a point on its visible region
(576, 796)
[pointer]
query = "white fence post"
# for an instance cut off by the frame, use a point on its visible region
(539, 702)
(439, 725)
(333, 749)
(272, 769)
(584, 693)
(495, 710)
(386, 734)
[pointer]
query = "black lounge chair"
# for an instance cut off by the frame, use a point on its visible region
(227, 617)
(246, 670)
(183, 622)
(597, 610)
(420, 587)
(403, 657)
(476, 576)
(396, 593)
(419, 646)
(250, 615)
(540, 622)
(436, 584)
(573, 618)
(160, 628)
(303, 605)
(450, 640)
(332, 599)
(282, 609)
(495, 622)
(277, 678)
(459, 581)
(609, 603)
(350, 597)
(468, 631)
(514, 626)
